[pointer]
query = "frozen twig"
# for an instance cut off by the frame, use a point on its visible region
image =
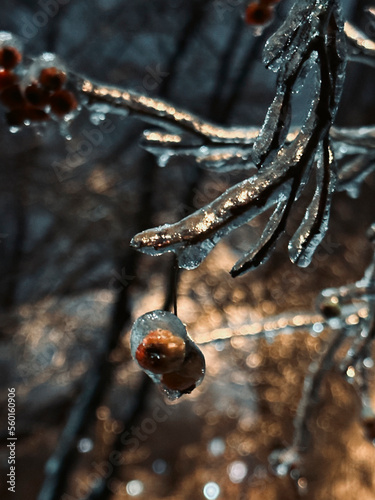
(360, 47)
(310, 42)
(283, 167)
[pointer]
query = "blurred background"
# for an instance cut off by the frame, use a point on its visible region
(71, 286)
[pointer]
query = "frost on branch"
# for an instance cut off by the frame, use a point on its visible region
(309, 43)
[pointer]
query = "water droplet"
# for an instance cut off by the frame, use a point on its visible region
(237, 471)
(219, 345)
(281, 469)
(211, 491)
(64, 130)
(368, 363)
(97, 118)
(216, 447)
(163, 159)
(85, 445)
(317, 327)
(134, 488)
(159, 466)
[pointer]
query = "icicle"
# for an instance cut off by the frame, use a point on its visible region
(194, 237)
(261, 250)
(271, 126)
(315, 224)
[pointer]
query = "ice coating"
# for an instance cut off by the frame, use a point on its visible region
(153, 320)
(284, 167)
(45, 60)
(262, 248)
(218, 157)
(294, 34)
(359, 46)
(181, 380)
(163, 113)
(8, 39)
(207, 226)
(309, 44)
(269, 128)
(315, 223)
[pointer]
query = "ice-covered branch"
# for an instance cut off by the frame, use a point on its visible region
(160, 112)
(281, 160)
(360, 47)
(315, 48)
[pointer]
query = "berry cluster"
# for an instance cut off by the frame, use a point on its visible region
(260, 13)
(33, 102)
(163, 353)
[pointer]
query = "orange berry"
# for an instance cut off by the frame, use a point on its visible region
(9, 57)
(36, 95)
(62, 102)
(7, 79)
(161, 352)
(52, 78)
(176, 381)
(188, 375)
(12, 97)
(258, 15)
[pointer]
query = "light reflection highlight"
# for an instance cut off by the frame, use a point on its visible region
(134, 488)
(237, 471)
(211, 491)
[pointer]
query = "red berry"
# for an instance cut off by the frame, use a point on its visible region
(257, 14)
(187, 376)
(161, 352)
(9, 57)
(7, 79)
(12, 97)
(35, 114)
(16, 117)
(62, 102)
(52, 78)
(36, 95)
